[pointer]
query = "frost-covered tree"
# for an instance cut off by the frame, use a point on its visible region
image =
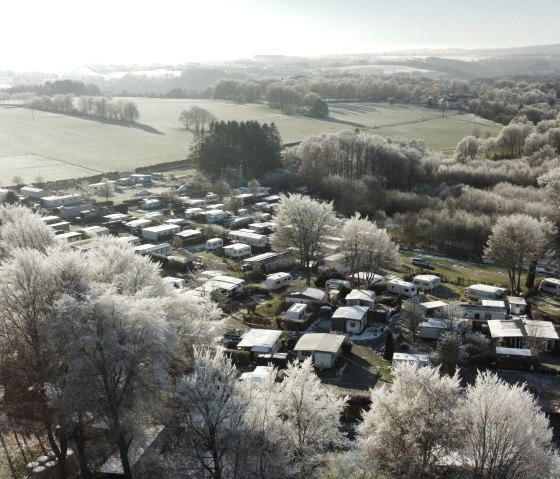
(413, 423)
(366, 247)
(515, 240)
(448, 351)
(550, 181)
(106, 189)
(119, 346)
(310, 416)
(21, 228)
(506, 433)
(302, 222)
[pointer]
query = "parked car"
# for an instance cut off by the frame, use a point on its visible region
(422, 263)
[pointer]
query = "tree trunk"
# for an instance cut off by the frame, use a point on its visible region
(123, 451)
(60, 451)
(79, 437)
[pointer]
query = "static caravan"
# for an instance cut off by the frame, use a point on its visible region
(248, 237)
(163, 248)
(136, 225)
(63, 226)
(56, 201)
(337, 283)
(242, 212)
(176, 221)
(479, 292)
(158, 176)
(419, 360)
(155, 216)
(189, 237)
(217, 206)
(141, 178)
(211, 198)
(237, 250)
(261, 341)
(259, 206)
(550, 285)
(51, 220)
(32, 192)
(239, 222)
(95, 231)
(516, 305)
(192, 212)
(215, 216)
(151, 203)
(297, 311)
(214, 244)
(402, 288)
(426, 282)
(196, 203)
(278, 280)
(488, 309)
(155, 233)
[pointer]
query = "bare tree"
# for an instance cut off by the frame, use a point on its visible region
(302, 223)
(197, 117)
(506, 433)
(129, 112)
(412, 424)
(106, 189)
(515, 240)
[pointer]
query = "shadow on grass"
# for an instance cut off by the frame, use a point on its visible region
(334, 120)
(126, 124)
(8, 457)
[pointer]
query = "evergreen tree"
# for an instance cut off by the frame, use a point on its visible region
(389, 346)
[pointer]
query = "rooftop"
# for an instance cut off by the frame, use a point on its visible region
(361, 294)
(350, 312)
(492, 303)
(259, 337)
(323, 342)
(516, 300)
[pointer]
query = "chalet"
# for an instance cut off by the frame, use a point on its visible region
(324, 348)
(426, 282)
(483, 291)
(361, 297)
(261, 341)
(520, 333)
(270, 262)
(350, 319)
(159, 232)
(315, 297)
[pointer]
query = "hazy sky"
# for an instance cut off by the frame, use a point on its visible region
(54, 34)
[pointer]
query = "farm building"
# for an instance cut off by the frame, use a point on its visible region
(521, 333)
(361, 297)
(261, 341)
(214, 244)
(419, 360)
(248, 237)
(277, 280)
(324, 348)
(402, 288)
(426, 282)
(350, 319)
(189, 237)
(550, 285)
(32, 192)
(336, 261)
(163, 249)
(269, 262)
(516, 305)
(297, 311)
(310, 295)
(487, 310)
(57, 201)
(483, 291)
(237, 250)
(157, 233)
(215, 216)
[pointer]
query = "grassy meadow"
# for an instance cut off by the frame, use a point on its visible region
(53, 146)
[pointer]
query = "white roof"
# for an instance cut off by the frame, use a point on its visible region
(350, 312)
(433, 304)
(138, 222)
(312, 293)
(322, 342)
(149, 246)
(494, 303)
(425, 277)
(365, 276)
(237, 246)
(259, 337)
(215, 212)
(486, 287)
(411, 357)
(361, 294)
(513, 352)
(516, 300)
(162, 228)
(500, 328)
(259, 375)
(540, 329)
(401, 283)
(278, 276)
(552, 280)
(297, 307)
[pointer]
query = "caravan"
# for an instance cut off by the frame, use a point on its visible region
(550, 285)
(402, 288)
(278, 280)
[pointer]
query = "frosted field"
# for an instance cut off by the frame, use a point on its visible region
(58, 147)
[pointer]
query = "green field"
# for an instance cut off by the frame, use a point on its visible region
(57, 146)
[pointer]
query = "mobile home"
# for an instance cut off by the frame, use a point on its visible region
(337, 283)
(211, 198)
(215, 216)
(248, 237)
(237, 250)
(163, 249)
(214, 244)
(155, 233)
(426, 282)
(278, 280)
(550, 285)
(402, 288)
(479, 292)
(297, 311)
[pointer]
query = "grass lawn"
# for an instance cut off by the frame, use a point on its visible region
(268, 309)
(16, 451)
(383, 366)
(57, 146)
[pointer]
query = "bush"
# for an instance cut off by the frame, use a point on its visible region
(326, 275)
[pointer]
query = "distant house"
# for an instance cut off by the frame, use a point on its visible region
(309, 295)
(324, 348)
(361, 297)
(350, 319)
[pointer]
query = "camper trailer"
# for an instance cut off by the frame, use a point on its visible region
(402, 288)
(215, 216)
(426, 282)
(336, 283)
(297, 311)
(214, 244)
(479, 292)
(550, 285)
(237, 250)
(278, 280)
(211, 197)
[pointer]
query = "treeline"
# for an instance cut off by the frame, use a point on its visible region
(59, 87)
(238, 149)
(95, 107)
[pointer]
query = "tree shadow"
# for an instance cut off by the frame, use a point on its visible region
(126, 124)
(8, 457)
(335, 120)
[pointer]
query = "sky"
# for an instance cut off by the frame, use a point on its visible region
(63, 34)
